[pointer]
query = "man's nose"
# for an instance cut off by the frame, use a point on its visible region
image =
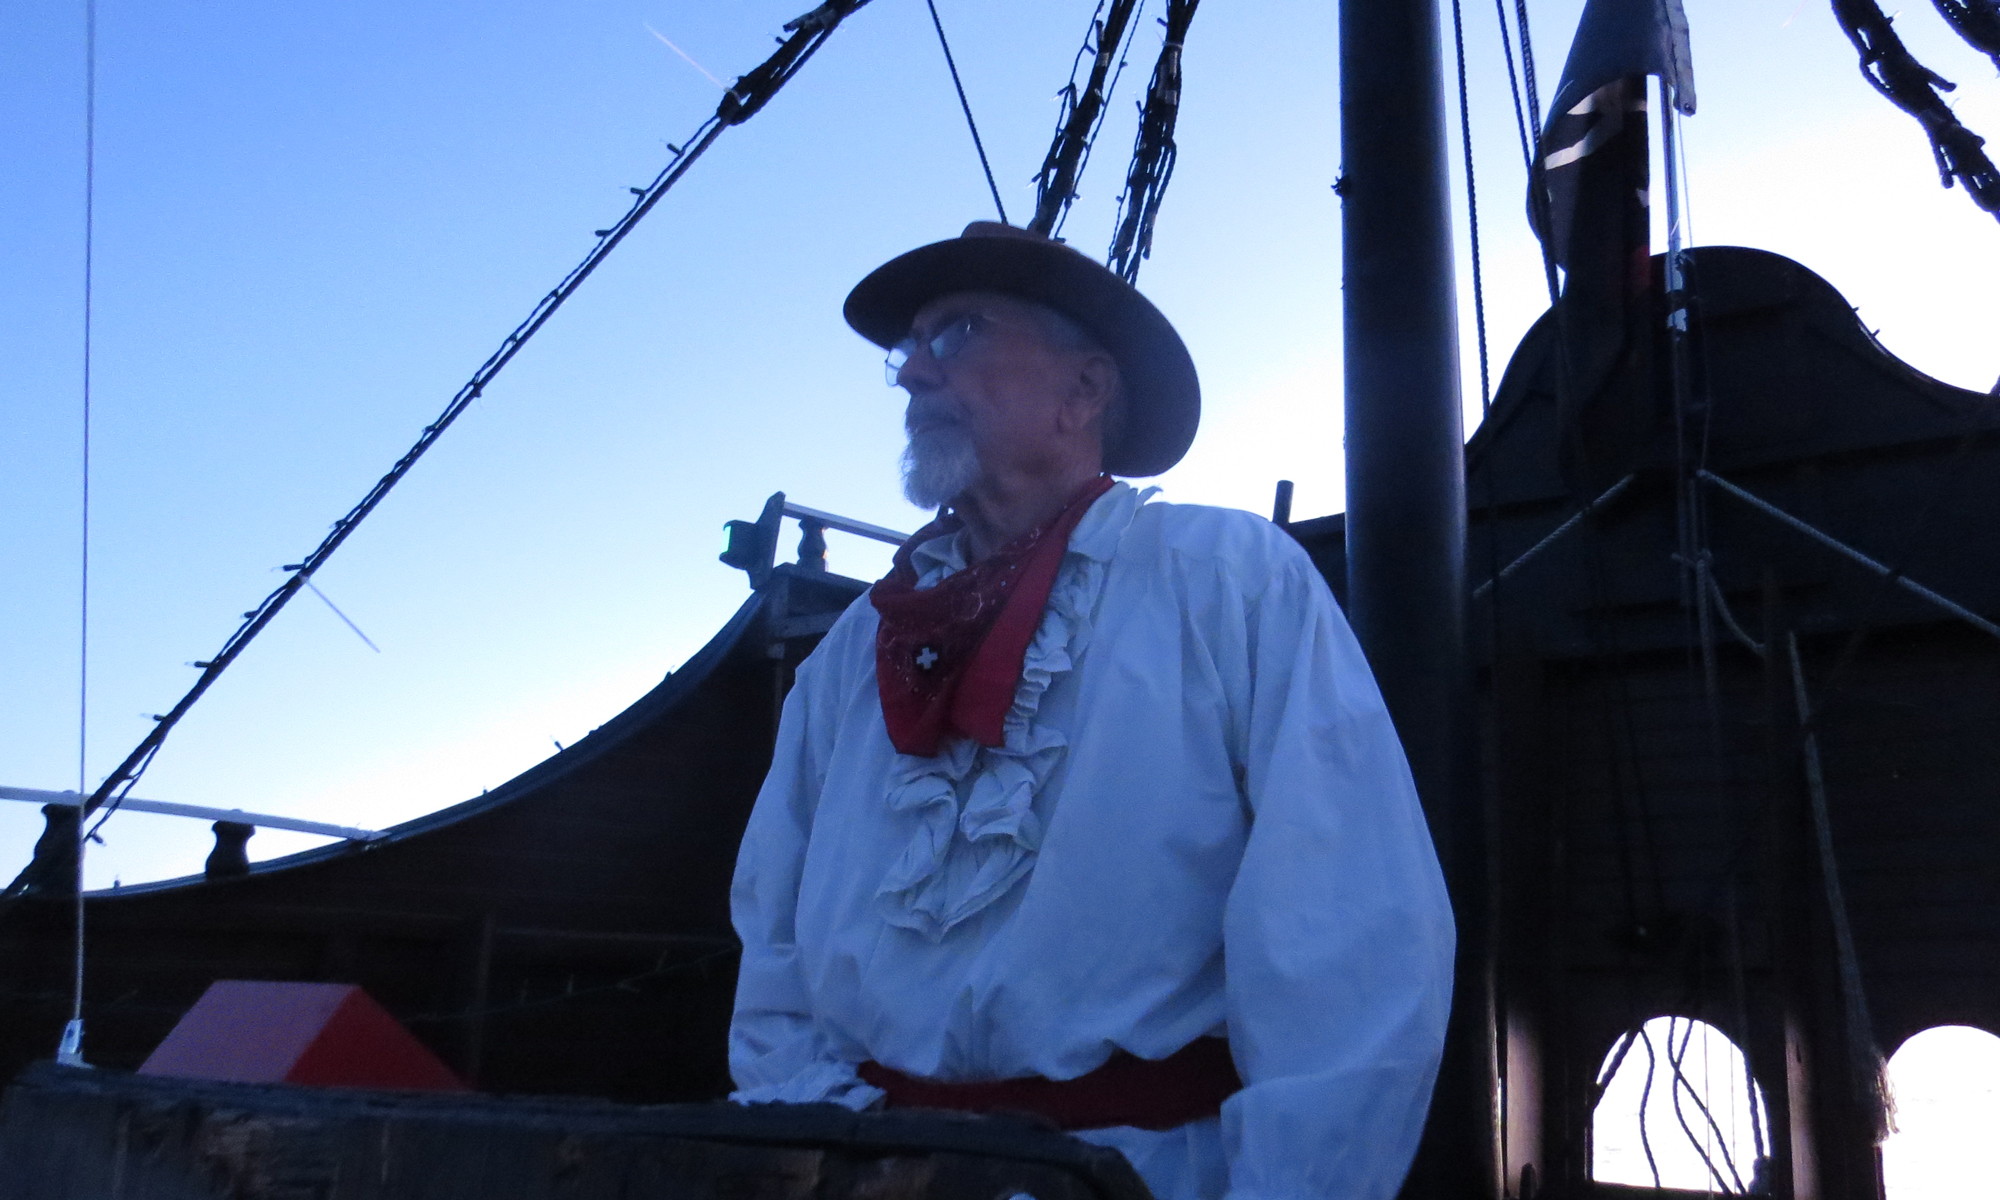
(920, 372)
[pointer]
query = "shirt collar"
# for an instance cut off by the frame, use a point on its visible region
(1096, 535)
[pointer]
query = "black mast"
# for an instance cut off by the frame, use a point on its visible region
(1406, 592)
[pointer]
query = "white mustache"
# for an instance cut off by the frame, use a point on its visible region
(930, 415)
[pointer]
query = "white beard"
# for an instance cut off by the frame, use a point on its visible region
(938, 465)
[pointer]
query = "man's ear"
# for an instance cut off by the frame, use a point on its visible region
(1092, 387)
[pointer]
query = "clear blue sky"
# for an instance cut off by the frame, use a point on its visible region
(313, 223)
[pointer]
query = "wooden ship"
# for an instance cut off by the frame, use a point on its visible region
(1719, 747)
(566, 933)
(1787, 833)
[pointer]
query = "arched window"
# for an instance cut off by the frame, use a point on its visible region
(1947, 1115)
(1678, 1110)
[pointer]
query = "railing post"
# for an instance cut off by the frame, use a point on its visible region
(231, 856)
(51, 873)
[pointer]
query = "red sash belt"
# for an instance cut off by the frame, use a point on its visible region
(1187, 1085)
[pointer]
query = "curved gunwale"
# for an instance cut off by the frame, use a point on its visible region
(669, 694)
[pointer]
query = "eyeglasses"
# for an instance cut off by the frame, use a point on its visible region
(944, 344)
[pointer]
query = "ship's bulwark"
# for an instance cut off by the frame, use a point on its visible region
(1654, 853)
(1651, 854)
(66, 1134)
(567, 933)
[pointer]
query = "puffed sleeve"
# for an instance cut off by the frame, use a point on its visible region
(776, 1051)
(1338, 934)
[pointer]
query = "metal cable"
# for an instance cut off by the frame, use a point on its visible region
(743, 100)
(967, 106)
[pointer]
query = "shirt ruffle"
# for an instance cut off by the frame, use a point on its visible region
(974, 830)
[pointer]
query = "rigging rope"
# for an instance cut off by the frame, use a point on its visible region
(1759, 1146)
(1676, 1059)
(1891, 70)
(1153, 151)
(967, 106)
(1529, 129)
(1471, 208)
(1703, 599)
(69, 1050)
(1864, 1056)
(1645, 1101)
(742, 101)
(1528, 73)
(1538, 196)
(1535, 188)
(1514, 86)
(1082, 114)
(1977, 21)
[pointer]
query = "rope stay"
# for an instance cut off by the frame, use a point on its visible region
(1870, 1086)
(1977, 21)
(1153, 151)
(1082, 113)
(1692, 1113)
(1514, 86)
(1472, 207)
(743, 100)
(967, 106)
(69, 1048)
(1678, 1037)
(1888, 574)
(1538, 204)
(1528, 74)
(1908, 84)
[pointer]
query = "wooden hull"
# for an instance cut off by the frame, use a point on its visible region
(1652, 852)
(567, 933)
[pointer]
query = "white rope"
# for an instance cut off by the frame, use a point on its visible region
(69, 1051)
(1864, 1056)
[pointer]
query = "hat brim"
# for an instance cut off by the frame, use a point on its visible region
(1162, 391)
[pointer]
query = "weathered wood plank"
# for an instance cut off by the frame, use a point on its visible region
(67, 1133)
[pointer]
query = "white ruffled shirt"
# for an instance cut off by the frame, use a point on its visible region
(1201, 823)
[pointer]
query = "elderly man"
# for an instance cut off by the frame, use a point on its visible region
(1091, 807)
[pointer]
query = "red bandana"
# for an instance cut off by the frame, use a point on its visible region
(948, 658)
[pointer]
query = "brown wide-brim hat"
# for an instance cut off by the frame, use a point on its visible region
(1162, 392)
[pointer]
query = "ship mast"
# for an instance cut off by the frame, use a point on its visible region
(1405, 529)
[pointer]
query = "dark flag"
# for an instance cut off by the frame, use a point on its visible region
(1588, 202)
